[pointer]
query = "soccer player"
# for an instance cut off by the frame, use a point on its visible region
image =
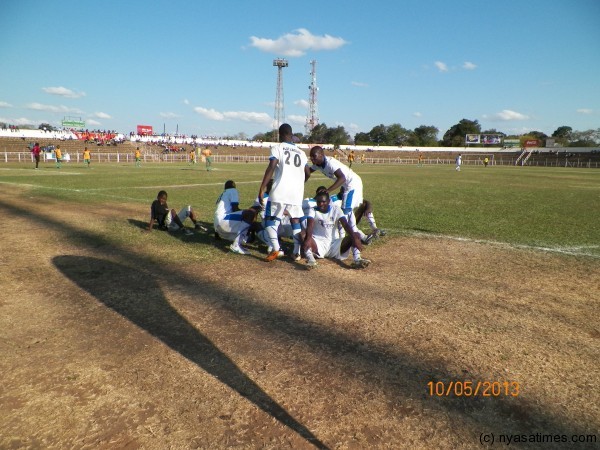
(231, 223)
(169, 219)
(138, 157)
(58, 154)
(320, 240)
(458, 162)
(207, 158)
(36, 151)
(288, 166)
(87, 157)
(352, 185)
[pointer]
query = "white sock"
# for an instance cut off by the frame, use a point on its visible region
(297, 243)
(271, 231)
(371, 220)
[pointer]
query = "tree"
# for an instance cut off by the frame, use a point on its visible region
(269, 136)
(424, 136)
(317, 134)
(378, 134)
(46, 127)
(362, 139)
(455, 136)
(337, 136)
(396, 134)
(588, 138)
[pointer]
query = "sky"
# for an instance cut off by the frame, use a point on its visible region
(205, 67)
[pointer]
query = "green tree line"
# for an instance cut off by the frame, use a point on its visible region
(426, 136)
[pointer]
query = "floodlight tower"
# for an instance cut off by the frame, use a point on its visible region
(279, 111)
(312, 120)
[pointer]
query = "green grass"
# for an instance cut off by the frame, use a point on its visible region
(533, 206)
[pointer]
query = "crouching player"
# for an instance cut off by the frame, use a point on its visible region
(230, 222)
(320, 242)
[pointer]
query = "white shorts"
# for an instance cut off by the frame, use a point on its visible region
(353, 198)
(275, 209)
(183, 214)
(330, 249)
(230, 225)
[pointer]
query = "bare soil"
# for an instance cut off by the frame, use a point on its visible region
(106, 345)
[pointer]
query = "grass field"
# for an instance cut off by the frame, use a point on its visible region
(556, 209)
(111, 337)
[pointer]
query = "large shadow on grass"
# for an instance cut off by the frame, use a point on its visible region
(400, 375)
(138, 297)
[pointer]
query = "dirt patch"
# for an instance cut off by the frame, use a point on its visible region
(103, 347)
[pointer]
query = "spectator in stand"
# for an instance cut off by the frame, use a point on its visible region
(36, 150)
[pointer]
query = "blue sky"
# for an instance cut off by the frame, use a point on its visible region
(205, 67)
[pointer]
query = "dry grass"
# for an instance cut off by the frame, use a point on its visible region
(104, 348)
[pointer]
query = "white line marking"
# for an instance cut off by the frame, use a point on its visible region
(573, 251)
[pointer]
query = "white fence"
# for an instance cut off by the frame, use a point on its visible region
(498, 160)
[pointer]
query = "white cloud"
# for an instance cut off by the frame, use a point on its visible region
(585, 111)
(92, 122)
(101, 115)
(245, 116)
(417, 114)
(353, 128)
(359, 84)
(506, 115)
(20, 121)
(469, 66)
(302, 103)
(209, 113)
(442, 67)
(186, 101)
(295, 119)
(63, 92)
(51, 108)
(294, 45)
(169, 115)
(5, 105)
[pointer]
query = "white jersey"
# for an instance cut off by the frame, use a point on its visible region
(288, 179)
(225, 202)
(325, 225)
(331, 165)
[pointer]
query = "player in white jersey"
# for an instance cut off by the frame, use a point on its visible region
(458, 162)
(351, 184)
(289, 169)
(230, 222)
(321, 238)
